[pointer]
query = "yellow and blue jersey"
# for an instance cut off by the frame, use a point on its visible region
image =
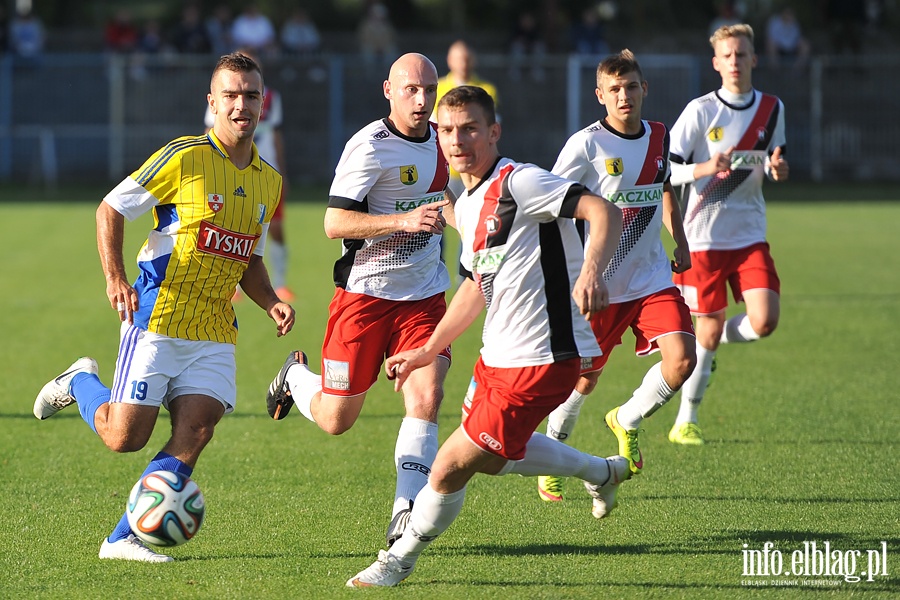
(209, 218)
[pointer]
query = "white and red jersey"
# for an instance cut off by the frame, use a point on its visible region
(727, 211)
(384, 172)
(271, 117)
(520, 244)
(629, 171)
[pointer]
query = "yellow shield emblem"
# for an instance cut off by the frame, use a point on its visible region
(408, 174)
(614, 166)
(715, 134)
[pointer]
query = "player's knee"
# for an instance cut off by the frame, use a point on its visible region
(425, 404)
(765, 327)
(335, 425)
(587, 383)
(125, 443)
(681, 368)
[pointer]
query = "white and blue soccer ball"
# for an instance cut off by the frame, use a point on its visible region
(165, 508)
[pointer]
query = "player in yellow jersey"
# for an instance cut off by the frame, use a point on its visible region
(461, 60)
(212, 199)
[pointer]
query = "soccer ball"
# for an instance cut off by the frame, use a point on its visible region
(165, 508)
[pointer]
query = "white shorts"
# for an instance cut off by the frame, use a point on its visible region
(153, 369)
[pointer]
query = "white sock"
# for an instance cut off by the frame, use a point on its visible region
(653, 393)
(417, 445)
(278, 258)
(304, 386)
(562, 421)
(431, 515)
(546, 456)
(693, 389)
(738, 330)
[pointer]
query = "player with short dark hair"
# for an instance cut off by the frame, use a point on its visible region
(624, 158)
(212, 199)
(525, 266)
(725, 144)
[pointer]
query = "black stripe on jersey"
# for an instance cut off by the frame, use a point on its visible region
(348, 203)
(573, 194)
(770, 127)
(506, 211)
(171, 149)
(676, 159)
(557, 291)
(343, 265)
(464, 272)
(661, 177)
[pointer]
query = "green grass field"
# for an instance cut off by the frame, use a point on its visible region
(802, 433)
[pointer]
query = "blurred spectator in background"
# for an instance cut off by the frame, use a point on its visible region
(150, 43)
(846, 21)
(26, 37)
(121, 34)
(727, 13)
(254, 31)
(785, 43)
(4, 30)
(218, 29)
(527, 46)
(588, 35)
(299, 35)
(377, 38)
(189, 36)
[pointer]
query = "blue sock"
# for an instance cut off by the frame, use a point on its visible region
(160, 462)
(90, 393)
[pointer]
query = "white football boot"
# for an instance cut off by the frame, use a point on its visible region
(131, 548)
(605, 495)
(55, 396)
(384, 572)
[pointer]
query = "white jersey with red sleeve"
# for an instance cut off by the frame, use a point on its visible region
(727, 211)
(520, 245)
(629, 171)
(384, 172)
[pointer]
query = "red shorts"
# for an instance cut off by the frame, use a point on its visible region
(362, 331)
(507, 405)
(704, 284)
(650, 318)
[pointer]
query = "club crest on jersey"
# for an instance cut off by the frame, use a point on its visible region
(261, 211)
(660, 164)
(492, 224)
(408, 174)
(715, 134)
(215, 202)
(761, 134)
(614, 166)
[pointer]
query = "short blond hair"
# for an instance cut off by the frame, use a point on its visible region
(729, 31)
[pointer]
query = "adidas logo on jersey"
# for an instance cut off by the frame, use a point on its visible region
(240, 192)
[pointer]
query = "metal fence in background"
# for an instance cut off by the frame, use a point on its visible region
(88, 117)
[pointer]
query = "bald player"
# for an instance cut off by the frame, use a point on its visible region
(212, 199)
(386, 203)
